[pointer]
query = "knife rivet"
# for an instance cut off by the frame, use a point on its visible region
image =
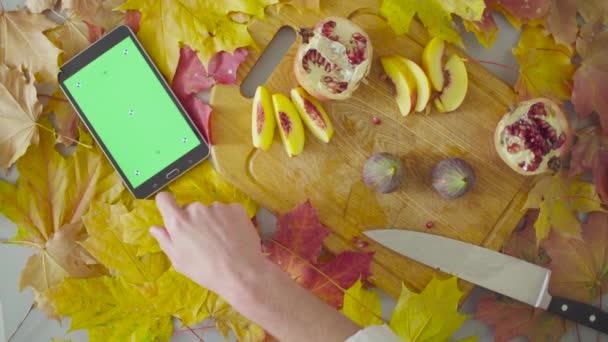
(592, 318)
(564, 307)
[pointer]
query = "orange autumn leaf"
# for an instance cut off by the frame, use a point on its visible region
(484, 29)
(22, 43)
(545, 68)
(19, 111)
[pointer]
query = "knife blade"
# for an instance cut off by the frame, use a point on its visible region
(509, 276)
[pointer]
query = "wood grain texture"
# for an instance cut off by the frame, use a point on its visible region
(330, 174)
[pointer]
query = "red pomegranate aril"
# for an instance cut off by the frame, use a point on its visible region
(430, 224)
(359, 37)
(514, 148)
(376, 121)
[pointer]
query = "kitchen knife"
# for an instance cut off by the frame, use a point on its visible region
(498, 272)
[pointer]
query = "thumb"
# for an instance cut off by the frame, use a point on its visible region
(163, 238)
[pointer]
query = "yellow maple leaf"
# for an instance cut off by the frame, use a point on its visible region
(61, 257)
(51, 195)
(559, 198)
(545, 68)
(111, 309)
(204, 184)
(431, 315)
(19, 111)
(204, 26)
(436, 15)
(136, 224)
(362, 306)
(105, 243)
(23, 44)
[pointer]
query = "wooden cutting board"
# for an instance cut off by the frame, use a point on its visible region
(330, 174)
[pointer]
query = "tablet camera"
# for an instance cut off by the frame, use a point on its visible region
(137, 173)
(184, 140)
(125, 52)
(78, 84)
(131, 112)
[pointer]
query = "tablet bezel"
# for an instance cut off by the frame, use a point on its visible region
(166, 175)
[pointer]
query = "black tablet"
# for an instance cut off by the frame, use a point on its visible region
(131, 111)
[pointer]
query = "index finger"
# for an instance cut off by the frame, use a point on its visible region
(165, 201)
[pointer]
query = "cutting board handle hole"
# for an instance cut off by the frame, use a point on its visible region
(270, 58)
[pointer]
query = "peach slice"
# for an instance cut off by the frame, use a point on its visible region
(263, 122)
(404, 82)
(432, 61)
(313, 114)
(455, 86)
(423, 87)
(289, 123)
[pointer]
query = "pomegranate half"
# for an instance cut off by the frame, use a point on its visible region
(533, 137)
(333, 58)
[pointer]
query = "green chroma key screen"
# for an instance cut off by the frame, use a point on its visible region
(131, 112)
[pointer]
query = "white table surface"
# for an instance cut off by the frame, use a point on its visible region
(15, 304)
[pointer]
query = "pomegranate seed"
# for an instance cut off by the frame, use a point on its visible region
(514, 148)
(430, 224)
(359, 37)
(376, 121)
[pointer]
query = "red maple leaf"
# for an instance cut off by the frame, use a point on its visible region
(590, 153)
(337, 275)
(296, 247)
(191, 78)
(591, 78)
(132, 19)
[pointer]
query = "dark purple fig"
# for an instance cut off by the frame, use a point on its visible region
(383, 172)
(453, 178)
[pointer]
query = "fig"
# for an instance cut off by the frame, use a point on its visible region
(333, 58)
(533, 137)
(383, 172)
(289, 123)
(453, 178)
(263, 123)
(313, 114)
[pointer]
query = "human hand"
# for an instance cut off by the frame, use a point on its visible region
(216, 246)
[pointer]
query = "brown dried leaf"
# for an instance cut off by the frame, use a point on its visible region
(22, 43)
(19, 110)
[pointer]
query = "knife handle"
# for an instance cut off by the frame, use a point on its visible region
(582, 313)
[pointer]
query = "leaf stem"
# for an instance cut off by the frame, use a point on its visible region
(22, 321)
(479, 61)
(65, 137)
(20, 242)
(323, 274)
(195, 334)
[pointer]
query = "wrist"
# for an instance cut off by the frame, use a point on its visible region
(247, 284)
